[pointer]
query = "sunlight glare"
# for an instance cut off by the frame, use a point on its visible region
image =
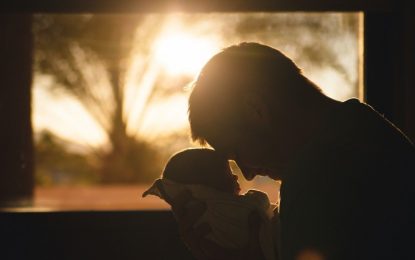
(183, 53)
(167, 115)
(68, 119)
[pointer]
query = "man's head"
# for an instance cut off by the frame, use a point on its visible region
(202, 166)
(249, 103)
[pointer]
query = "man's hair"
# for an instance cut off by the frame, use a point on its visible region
(195, 166)
(239, 71)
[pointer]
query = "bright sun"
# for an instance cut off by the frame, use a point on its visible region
(183, 53)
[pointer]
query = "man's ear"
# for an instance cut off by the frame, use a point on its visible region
(256, 110)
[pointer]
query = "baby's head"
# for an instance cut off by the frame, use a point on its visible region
(202, 166)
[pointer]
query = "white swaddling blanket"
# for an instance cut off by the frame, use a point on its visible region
(227, 214)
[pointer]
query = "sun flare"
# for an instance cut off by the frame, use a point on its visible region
(179, 52)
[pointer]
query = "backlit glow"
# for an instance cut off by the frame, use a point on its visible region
(158, 60)
(180, 52)
(177, 51)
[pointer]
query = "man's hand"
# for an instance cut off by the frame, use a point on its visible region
(194, 237)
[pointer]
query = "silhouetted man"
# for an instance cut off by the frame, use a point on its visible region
(347, 173)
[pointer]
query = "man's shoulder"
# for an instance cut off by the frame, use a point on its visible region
(362, 125)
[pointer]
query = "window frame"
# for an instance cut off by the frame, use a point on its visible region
(386, 91)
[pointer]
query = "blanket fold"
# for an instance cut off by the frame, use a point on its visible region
(227, 214)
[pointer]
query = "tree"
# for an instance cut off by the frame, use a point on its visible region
(56, 164)
(88, 57)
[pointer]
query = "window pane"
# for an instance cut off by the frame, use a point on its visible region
(110, 92)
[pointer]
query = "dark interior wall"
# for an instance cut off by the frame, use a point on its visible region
(16, 151)
(409, 72)
(134, 6)
(90, 235)
(389, 66)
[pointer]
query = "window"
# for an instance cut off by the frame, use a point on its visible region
(110, 92)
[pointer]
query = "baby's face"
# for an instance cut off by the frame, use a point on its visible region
(226, 181)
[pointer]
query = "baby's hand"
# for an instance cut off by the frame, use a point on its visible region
(188, 211)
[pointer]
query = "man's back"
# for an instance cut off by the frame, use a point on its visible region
(348, 193)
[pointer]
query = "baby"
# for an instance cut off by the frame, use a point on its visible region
(209, 177)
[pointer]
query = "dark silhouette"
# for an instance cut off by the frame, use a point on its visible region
(347, 173)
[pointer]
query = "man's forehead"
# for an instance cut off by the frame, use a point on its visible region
(224, 144)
